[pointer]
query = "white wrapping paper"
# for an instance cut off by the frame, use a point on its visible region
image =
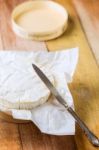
(52, 117)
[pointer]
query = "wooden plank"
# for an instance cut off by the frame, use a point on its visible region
(10, 40)
(88, 12)
(85, 85)
(29, 136)
(9, 133)
(1, 45)
(9, 136)
(33, 139)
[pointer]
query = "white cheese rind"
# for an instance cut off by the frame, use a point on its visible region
(20, 87)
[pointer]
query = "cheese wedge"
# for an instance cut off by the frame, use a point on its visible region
(20, 87)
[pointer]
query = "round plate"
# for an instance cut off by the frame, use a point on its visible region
(39, 20)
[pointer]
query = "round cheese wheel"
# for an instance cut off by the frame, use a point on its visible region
(20, 86)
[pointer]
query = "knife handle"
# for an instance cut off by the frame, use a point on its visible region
(92, 138)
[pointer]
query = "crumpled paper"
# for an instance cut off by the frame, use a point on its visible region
(52, 117)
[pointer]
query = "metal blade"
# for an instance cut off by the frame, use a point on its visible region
(49, 85)
(92, 137)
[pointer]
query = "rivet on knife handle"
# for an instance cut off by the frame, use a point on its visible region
(92, 138)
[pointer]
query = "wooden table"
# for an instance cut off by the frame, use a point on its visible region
(85, 85)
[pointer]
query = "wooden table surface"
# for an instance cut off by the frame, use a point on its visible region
(88, 11)
(85, 85)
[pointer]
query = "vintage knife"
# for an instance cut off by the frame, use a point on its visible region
(92, 138)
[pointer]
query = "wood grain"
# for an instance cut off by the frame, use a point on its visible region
(9, 136)
(33, 139)
(88, 11)
(9, 39)
(25, 136)
(1, 46)
(85, 85)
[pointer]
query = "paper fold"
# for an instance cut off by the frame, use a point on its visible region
(52, 117)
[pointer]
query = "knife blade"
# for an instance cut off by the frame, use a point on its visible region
(91, 136)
